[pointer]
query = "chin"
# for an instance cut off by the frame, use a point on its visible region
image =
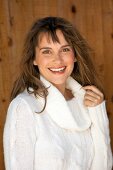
(58, 82)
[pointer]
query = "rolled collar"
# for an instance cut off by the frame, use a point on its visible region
(58, 109)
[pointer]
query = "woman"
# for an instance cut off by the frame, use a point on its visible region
(57, 118)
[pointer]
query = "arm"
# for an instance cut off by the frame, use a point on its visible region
(94, 99)
(101, 138)
(19, 137)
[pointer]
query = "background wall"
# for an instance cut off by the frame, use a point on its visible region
(94, 18)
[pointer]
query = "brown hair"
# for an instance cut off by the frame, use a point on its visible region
(84, 71)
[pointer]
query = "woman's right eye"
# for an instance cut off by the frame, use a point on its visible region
(46, 52)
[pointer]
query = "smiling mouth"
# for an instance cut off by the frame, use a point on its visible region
(57, 70)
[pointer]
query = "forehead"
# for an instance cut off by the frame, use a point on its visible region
(55, 37)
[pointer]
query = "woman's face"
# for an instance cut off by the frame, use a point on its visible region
(54, 60)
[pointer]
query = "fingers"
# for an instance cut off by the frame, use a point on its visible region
(93, 96)
(94, 89)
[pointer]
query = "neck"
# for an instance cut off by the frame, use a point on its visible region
(61, 88)
(65, 92)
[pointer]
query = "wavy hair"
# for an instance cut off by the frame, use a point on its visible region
(84, 71)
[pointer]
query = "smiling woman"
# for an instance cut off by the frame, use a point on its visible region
(57, 80)
(55, 60)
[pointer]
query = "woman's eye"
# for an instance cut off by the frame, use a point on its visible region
(46, 52)
(66, 49)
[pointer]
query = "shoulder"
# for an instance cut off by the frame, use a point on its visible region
(21, 113)
(18, 102)
(23, 108)
(25, 101)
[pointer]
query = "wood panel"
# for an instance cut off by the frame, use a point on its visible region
(107, 13)
(94, 20)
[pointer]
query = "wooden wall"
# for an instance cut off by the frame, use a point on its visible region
(94, 18)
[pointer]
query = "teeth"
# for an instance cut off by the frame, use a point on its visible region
(57, 69)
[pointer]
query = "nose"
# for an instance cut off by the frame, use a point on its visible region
(57, 58)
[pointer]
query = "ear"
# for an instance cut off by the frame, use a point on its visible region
(34, 63)
(75, 60)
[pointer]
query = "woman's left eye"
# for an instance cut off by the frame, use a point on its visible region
(66, 49)
(46, 52)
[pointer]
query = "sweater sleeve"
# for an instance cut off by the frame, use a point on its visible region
(101, 138)
(19, 136)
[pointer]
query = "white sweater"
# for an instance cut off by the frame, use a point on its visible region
(66, 136)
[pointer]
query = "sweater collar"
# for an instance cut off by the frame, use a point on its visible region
(58, 109)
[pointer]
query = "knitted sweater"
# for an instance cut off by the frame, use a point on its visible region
(66, 136)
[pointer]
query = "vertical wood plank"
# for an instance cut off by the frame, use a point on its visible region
(107, 12)
(4, 69)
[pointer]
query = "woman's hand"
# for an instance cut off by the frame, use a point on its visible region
(93, 96)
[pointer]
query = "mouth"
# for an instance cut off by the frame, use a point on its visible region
(58, 70)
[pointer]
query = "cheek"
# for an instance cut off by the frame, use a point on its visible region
(70, 59)
(41, 62)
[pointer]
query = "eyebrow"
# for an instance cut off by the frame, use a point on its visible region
(67, 45)
(45, 48)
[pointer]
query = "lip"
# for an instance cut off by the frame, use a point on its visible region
(57, 70)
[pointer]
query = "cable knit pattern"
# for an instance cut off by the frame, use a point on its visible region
(20, 137)
(35, 141)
